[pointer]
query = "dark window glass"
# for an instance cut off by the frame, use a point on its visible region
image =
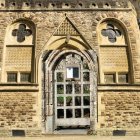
(69, 89)
(25, 77)
(60, 113)
(77, 88)
(87, 113)
(85, 76)
(60, 89)
(60, 77)
(77, 113)
(86, 100)
(77, 101)
(11, 77)
(86, 89)
(60, 101)
(75, 72)
(68, 113)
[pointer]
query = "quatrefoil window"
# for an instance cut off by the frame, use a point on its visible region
(21, 32)
(111, 32)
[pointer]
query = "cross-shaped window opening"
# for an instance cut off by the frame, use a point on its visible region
(21, 32)
(111, 33)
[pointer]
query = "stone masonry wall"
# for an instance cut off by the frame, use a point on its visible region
(119, 110)
(85, 21)
(18, 110)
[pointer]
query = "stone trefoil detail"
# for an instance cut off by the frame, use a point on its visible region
(21, 32)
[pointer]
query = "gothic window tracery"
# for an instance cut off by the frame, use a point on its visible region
(114, 63)
(111, 33)
(19, 48)
(21, 32)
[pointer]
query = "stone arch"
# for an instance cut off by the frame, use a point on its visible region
(126, 39)
(59, 43)
(30, 17)
(48, 62)
(120, 19)
(26, 45)
(62, 41)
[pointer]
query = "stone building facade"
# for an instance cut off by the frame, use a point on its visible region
(69, 65)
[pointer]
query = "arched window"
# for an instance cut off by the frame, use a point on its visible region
(114, 50)
(19, 52)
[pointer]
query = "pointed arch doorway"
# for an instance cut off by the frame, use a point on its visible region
(69, 90)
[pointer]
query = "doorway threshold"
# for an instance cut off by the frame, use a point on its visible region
(71, 131)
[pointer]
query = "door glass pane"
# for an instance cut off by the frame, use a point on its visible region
(86, 100)
(77, 113)
(69, 101)
(85, 76)
(78, 101)
(60, 113)
(69, 72)
(77, 88)
(75, 72)
(69, 89)
(72, 72)
(87, 112)
(60, 101)
(69, 113)
(60, 77)
(60, 89)
(86, 89)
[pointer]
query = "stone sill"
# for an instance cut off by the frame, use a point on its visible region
(61, 9)
(17, 87)
(119, 87)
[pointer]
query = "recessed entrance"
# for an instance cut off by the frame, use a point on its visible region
(69, 91)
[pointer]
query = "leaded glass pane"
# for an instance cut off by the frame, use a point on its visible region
(78, 101)
(77, 88)
(60, 113)
(86, 100)
(87, 113)
(69, 89)
(75, 72)
(85, 76)
(77, 113)
(60, 77)
(60, 89)
(69, 113)
(86, 89)
(60, 101)
(69, 101)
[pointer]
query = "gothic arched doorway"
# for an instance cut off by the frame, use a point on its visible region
(70, 82)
